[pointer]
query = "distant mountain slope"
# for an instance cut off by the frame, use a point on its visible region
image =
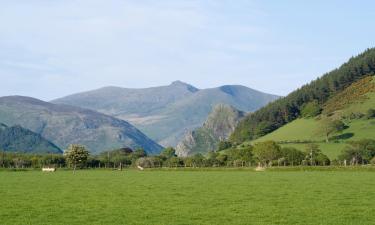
(287, 109)
(19, 139)
(166, 113)
(218, 126)
(66, 125)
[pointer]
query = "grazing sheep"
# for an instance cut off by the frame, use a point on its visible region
(47, 169)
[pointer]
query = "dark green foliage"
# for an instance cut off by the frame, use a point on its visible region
(22, 160)
(321, 90)
(263, 128)
(19, 139)
(224, 145)
(266, 152)
(315, 157)
(311, 109)
(370, 114)
(292, 156)
(168, 153)
(362, 151)
(330, 126)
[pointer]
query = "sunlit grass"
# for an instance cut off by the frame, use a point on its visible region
(187, 197)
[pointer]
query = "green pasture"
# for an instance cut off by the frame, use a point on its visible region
(223, 196)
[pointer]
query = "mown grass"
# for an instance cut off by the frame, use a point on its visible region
(188, 197)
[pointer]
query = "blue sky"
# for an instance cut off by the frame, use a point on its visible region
(51, 48)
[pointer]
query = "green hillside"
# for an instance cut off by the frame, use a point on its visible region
(321, 91)
(351, 106)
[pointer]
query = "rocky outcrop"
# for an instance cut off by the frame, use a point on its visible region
(220, 123)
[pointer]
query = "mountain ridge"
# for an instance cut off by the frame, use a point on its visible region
(165, 113)
(66, 124)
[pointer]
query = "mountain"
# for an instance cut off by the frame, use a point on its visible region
(166, 113)
(19, 139)
(66, 125)
(320, 91)
(220, 123)
(355, 106)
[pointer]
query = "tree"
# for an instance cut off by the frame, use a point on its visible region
(267, 151)
(312, 151)
(224, 145)
(370, 113)
(76, 155)
(139, 153)
(168, 152)
(311, 109)
(329, 127)
(292, 156)
(361, 151)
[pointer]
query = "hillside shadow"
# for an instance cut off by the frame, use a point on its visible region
(344, 136)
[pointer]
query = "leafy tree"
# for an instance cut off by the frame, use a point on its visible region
(198, 160)
(76, 155)
(292, 156)
(322, 160)
(370, 113)
(222, 159)
(329, 127)
(263, 128)
(224, 145)
(139, 153)
(312, 151)
(267, 151)
(361, 151)
(174, 162)
(168, 152)
(372, 161)
(311, 109)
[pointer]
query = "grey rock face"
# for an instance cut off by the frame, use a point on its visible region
(220, 123)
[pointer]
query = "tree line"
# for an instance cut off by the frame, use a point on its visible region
(265, 154)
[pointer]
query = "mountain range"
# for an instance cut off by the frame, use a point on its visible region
(166, 113)
(64, 125)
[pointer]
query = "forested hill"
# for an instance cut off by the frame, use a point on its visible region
(287, 109)
(19, 139)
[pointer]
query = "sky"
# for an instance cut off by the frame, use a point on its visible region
(51, 48)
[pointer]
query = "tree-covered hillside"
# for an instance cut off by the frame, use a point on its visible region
(354, 107)
(19, 139)
(289, 108)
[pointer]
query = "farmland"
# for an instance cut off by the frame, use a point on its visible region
(189, 196)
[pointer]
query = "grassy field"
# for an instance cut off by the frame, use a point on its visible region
(188, 197)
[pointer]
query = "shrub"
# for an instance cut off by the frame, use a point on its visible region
(311, 109)
(372, 161)
(370, 114)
